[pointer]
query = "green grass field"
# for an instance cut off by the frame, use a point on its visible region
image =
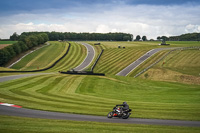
(163, 92)
(146, 44)
(114, 60)
(46, 56)
(22, 125)
(97, 95)
(75, 57)
(4, 44)
(184, 61)
(7, 42)
(43, 57)
(147, 63)
(179, 66)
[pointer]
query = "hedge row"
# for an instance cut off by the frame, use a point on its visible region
(25, 43)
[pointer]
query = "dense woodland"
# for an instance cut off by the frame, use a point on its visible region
(54, 36)
(68, 36)
(183, 37)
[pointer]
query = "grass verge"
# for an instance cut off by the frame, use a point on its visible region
(10, 124)
(42, 58)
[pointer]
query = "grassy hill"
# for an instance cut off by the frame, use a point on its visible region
(46, 56)
(114, 60)
(75, 57)
(43, 57)
(97, 95)
(179, 66)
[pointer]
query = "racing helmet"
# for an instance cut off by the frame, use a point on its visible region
(124, 102)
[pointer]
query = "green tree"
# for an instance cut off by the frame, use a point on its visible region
(22, 38)
(45, 37)
(11, 51)
(23, 46)
(28, 42)
(164, 38)
(17, 48)
(144, 38)
(5, 56)
(14, 37)
(126, 38)
(40, 39)
(158, 38)
(31, 41)
(138, 37)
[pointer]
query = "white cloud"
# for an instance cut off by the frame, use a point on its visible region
(148, 20)
(102, 28)
(192, 28)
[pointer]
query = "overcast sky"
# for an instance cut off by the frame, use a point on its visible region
(138, 17)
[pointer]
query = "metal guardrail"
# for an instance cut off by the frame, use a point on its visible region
(82, 73)
(182, 48)
(97, 60)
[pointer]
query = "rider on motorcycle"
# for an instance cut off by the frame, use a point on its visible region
(125, 106)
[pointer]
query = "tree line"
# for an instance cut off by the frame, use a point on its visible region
(70, 36)
(25, 42)
(183, 37)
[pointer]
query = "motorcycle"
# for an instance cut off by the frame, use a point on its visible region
(118, 112)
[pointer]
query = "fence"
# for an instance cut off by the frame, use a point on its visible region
(97, 60)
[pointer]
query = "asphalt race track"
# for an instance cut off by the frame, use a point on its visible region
(139, 61)
(7, 78)
(22, 112)
(88, 59)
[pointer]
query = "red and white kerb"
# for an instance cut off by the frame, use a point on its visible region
(11, 105)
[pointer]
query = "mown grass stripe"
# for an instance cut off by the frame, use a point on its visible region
(112, 65)
(14, 82)
(73, 59)
(105, 59)
(63, 62)
(117, 60)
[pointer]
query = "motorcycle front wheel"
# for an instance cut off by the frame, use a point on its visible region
(110, 115)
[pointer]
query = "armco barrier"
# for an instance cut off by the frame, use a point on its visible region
(82, 73)
(147, 68)
(40, 69)
(97, 60)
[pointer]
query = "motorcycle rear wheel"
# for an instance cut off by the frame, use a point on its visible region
(125, 115)
(110, 115)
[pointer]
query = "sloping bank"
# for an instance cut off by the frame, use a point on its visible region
(44, 69)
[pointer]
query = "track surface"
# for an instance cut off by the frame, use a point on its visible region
(7, 78)
(22, 112)
(88, 59)
(139, 61)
